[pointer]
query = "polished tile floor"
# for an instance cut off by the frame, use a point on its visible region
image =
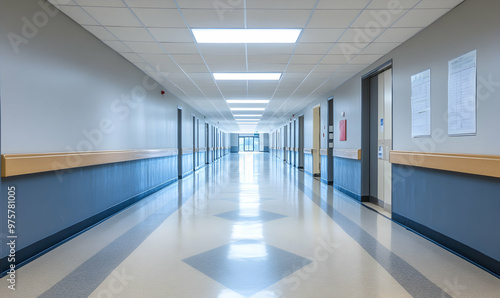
(250, 226)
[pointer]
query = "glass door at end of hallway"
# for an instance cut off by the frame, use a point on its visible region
(248, 144)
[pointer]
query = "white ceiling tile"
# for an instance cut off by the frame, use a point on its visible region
(397, 34)
(313, 48)
(110, 16)
(281, 4)
(180, 47)
(360, 35)
(108, 3)
(268, 59)
(171, 34)
(350, 4)
(194, 67)
(306, 68)
(277, 18)
(328, 68)
(222, 49)
(420, 18)
(78, 15)
(191, 59)
(151, 3)
(318, 64)
(306, 59)
(222, 5)
(438, 4)
(100, 32)
(321, 35)
(371, 20)
(266, 67)
(336, 59)
(131, 34)
(270, 49)
(213, 18)
(348, 48)
(158, 58)
(228, 67)
(158, 17)
(391, 5)
(294, 76)
(216, 59)
(145, 47)
(333, 18)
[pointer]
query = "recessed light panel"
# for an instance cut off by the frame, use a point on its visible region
(247, 109)
(252, 76)
(247, 101)
(246, 35)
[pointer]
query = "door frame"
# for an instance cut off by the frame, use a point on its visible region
(195, 157)
(365, 127)
(330, 159)
(316, 145)
(179, 142)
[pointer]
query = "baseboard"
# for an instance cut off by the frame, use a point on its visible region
(376, 201)
(39, 248)
(478, 258)
(187, 174)
(348, 192)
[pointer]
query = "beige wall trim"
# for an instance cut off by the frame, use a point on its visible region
(202, 149)
(323, 152)
(483, 165)
(308, 151)
(22, 164)
(347, 153)
(187, 151)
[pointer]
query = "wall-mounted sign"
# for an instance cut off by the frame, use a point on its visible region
(343, 130)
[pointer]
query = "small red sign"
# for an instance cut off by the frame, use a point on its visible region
(343, 130)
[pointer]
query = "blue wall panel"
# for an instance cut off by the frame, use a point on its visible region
(201, 158)
(234, 149)
(462, 207)
(308, 163)
(347, 176)
(48, 203)
(324, 169)
(187, 164)
(266, 148)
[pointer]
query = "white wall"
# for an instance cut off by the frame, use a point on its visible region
(473, 25)
(77, 94)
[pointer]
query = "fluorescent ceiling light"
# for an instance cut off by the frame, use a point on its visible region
(247, 109)
(247, 101)
(252, 76)
(243, 120)
(248, 123)
(246, 35)
(240, 115)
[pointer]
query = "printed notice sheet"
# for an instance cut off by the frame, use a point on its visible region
(462, 95)
(421, 104)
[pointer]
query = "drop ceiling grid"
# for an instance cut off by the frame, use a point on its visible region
(364, 62)
(155, 35)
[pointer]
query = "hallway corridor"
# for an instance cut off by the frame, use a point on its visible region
(250, 226)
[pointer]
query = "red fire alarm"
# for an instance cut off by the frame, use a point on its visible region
(162, 92)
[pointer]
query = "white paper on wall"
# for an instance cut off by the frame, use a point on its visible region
(421, 104)
(462, 77)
